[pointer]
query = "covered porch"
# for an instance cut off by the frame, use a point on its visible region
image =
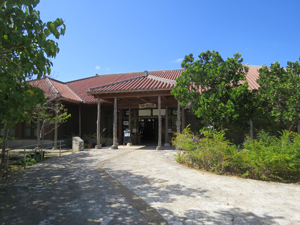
(150, 116)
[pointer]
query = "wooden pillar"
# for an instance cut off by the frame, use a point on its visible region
(159, 146)
(79, 118)
(98, 146)
(129, 126)
(178, 117)
(129, 118)
(115, 145)
(251, 129)
(183, 119)
(167, 127)
(55, 132)
(120, 126)
(38, 130)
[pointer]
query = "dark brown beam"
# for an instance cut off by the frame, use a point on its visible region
(145, 99)
(132, 94)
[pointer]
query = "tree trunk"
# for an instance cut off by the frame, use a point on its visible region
(2, 169)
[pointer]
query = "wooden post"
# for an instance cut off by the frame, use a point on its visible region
(79, 112)
(98, 146)
(159, 146)
(183, 119)
(167, 127)
(129, 126)
(178, 117)
(38, 133)
(251, 129)
(120, 126)
(24, 158)
(129, 117)
(55, 132)
(115, 145)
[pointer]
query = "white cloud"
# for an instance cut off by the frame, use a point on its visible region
(97, 67)
(108, 68)
(177, 60)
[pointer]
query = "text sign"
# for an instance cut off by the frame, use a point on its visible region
(147, 105)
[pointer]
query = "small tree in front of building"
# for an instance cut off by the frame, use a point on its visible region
(216, 89)
(49, 116)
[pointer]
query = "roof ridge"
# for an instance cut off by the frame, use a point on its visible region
(50, 78)
(166, 70)
(99, 75)
(118, 82)
(112, 74)
(51, 85)
(161, 79)
(74, 93)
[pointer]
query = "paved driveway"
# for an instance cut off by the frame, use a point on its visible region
(130, 185)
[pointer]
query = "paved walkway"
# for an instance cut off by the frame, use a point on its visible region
(129, 186)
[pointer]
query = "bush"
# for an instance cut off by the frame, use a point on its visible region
(267, 158)
(272, 158)
(212, 152)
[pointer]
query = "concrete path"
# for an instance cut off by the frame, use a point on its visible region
(77, 189)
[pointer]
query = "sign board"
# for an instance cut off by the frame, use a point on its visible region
(144, 112)
(126, 123)
(134, 130)
(155, 112)
(147, 105)
(127, 137)
(170, 130)
(127, 113)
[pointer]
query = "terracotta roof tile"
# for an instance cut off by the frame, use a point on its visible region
(81, 86)
(43, 84)
(64, 90)
(141, 83)
(163, 79)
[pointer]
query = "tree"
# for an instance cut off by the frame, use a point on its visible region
(216, 90)
(25, 52)
(49, 115)
(279, 93)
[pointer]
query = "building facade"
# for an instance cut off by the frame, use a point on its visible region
(102, 107)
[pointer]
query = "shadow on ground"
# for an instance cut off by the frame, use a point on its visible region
(66, 190)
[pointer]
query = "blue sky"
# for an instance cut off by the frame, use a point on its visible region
(104, 37)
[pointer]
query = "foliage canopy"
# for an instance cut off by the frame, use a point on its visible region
(216, 90)
(25, 52)
(279, 93)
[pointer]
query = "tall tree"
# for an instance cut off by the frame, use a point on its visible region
(279, 93)
(25, 52)
(216, 90)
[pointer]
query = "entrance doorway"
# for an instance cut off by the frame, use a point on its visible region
(148, 128)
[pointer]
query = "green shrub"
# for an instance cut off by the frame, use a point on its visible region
(267, 158)
(212, 152)
(272, 158)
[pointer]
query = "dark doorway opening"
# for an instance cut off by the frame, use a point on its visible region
(148, 128)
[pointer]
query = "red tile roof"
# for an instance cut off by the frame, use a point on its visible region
(55, 88)
(43, 84)
(81, 86)
(136, 84)
(167, 74)
(137, 81)
(64, 90)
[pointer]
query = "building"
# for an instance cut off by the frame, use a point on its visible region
(139, 101)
